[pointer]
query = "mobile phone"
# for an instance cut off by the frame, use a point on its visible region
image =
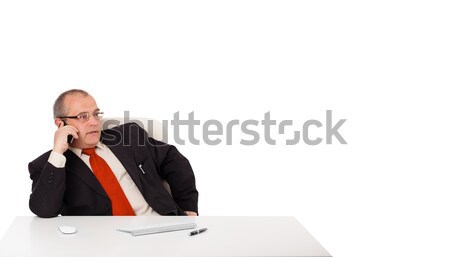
(69, 137)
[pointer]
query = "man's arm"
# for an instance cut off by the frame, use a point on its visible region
(178, 173)
(49, 175)
(48, 186)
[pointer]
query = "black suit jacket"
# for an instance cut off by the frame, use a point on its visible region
(74, 189)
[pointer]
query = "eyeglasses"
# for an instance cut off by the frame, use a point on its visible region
(84, 116)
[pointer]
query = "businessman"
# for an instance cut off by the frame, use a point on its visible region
(118, 171)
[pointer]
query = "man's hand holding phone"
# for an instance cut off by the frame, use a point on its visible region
(62, 136)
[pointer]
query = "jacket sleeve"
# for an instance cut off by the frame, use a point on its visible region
(48, 187)
(177, 171)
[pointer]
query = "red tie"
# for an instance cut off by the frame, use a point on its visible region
(104, 174)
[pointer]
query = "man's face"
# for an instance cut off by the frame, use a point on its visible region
(89, 130)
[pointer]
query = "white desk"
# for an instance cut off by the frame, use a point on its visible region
(97, 236)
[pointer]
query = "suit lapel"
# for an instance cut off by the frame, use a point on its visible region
(126, 157)
(77, 167)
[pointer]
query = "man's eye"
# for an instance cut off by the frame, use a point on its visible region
(84, 116)
(98, 114)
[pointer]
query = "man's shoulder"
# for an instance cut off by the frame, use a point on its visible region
(128, 133)
(131, 126)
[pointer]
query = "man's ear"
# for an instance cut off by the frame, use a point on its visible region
(59, 122)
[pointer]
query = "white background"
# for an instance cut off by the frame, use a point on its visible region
(383, 66)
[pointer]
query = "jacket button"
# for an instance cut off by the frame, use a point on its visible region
(50, 181)
(52, 173)
(107, 207)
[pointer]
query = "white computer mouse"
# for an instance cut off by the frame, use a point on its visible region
(67, 229)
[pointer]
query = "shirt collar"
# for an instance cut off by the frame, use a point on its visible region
(78, 151)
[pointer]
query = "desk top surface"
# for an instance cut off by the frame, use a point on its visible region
(98, 236)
